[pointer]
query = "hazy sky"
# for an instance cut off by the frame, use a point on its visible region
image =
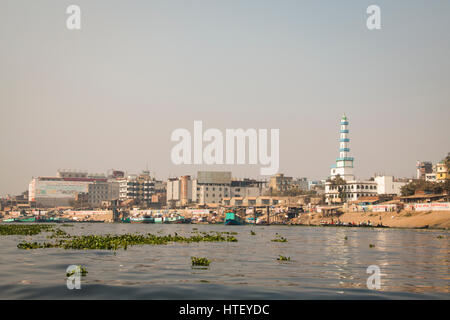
(109, 95)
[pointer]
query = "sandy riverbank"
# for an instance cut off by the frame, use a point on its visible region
(404, 219)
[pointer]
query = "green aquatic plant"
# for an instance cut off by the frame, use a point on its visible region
(253, 233)
(283, 258)
(345, 238)
(58, 233)
(196, 261)
(115, 242)
(82, 269)
(24, 229)
(36, 245)
(440, 237)
(279, 238)
(371, 246)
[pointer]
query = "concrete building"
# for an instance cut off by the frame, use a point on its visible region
(139, 188)
(102, 191)
(389, 185)
(261, 201)
(248, 188)
(351, 191)
(280, 182)
(62, 189)
(300, 183)
(442, 172)
(423, 167)
(213, 186)
(179, 191)
(316, 185)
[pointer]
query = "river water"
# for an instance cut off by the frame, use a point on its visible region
(326, 263)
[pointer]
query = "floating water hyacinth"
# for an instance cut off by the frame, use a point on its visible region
(253, 233)
(283, 258)
(200, 261)
(24, 229)
(279, 239)
(58, 233)
(115, 242)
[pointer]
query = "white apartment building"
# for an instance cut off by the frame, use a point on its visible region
(137, 187)
(351, 191)
(389, 185)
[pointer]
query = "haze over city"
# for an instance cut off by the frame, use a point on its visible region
(109, 95)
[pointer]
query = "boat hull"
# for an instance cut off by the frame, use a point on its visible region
(232, 219)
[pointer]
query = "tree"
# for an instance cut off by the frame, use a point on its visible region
(447, 164)
(340, 184)
(425, 186)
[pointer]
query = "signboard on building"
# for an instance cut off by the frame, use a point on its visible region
(59, 189)
(434, 206)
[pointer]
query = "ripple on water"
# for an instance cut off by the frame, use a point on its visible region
(324, 265)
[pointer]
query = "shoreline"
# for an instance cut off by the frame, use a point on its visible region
(439, 220)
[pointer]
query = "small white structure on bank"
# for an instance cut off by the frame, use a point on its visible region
(352, 189)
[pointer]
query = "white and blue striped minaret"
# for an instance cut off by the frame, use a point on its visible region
(344, 164)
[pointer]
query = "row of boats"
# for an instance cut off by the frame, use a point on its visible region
(38, 219)
(352, 224)
(231, 218)
(149, 219)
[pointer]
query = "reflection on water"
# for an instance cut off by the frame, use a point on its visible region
(325, 263)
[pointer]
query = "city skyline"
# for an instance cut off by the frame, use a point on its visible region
(110, 94)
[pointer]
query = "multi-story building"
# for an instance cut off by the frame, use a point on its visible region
(179, 191)
(280, 182)
(140, 188)
(62, 189)
(431, 177)
(247, 188)
(423, 167)
(300, 183)
(316, 185)
(102, 191)
(350, 191)
(389, 185)
(214, 186)
(211, 186)
(442, 172)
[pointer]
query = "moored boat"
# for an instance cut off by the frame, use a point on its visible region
(232, 218)
(144, 219)
(177, 219)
